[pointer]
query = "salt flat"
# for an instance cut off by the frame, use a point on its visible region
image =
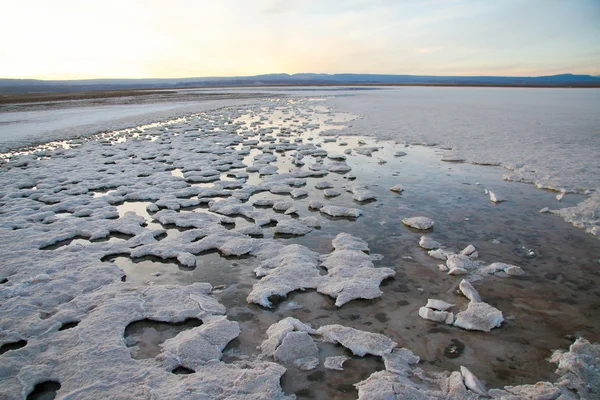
(25, 124)
(139, 262)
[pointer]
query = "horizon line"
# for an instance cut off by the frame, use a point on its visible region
(299, 73)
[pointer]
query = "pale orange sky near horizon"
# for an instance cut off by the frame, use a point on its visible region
(68, 39)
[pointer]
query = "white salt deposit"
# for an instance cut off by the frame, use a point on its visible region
(546, 137)
(331, 193)
(438, 305)
(210, 205)
(351, 273)
(437, 316)
(335, 362)
(421, 223)
(472, 383)
(360, 192)
(336, 211)
(428, 244)
(357, 341)
(496, 198)
(397, 188)
(479, 317)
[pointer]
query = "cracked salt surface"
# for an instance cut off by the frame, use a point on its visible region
(138, 254)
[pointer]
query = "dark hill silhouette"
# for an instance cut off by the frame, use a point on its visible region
(34, 85)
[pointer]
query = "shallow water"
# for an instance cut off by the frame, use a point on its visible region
(210, 267)
(557, 300)
(145, 337)
(544, 310)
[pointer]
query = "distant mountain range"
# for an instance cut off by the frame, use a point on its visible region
(34, 85)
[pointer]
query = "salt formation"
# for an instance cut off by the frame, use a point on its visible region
(315, 205)
(331, 193)
(324, 185)
(291, 210)
(360, 192)
(436, 310)
(400, 380)
(56, 209)
(284, 269)
(399, 361)
(478, 316)
(470, 252)
(464, 263)
(397, 188)
(278, 331)
(351, 274)
(336, 156)
(469, 291)
(496, 198)
(345, 241)
(366, 151)
(336, 211)
(502, 268)
(459, 261)
(289, 342)
(437, 316)
(298, 193)
(97, 342)
(577, 372)
(335, 362)
(298, 348)
(440, 254)
(421, 223)
(585, 214)
(63, 299)
(438, 305)
(358, 342)
(193, 348)
(291, 227)
(472, 383)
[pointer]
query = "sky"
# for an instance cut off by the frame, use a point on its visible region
(82, 39)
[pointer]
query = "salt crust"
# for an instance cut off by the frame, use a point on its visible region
(466, 261)
(351, 273)
(578, 378)
(45, 289)
(403, 379)
(420, 223)
(74, 194)
(560, 154)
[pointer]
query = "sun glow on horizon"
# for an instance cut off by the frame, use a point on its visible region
(68, 39)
